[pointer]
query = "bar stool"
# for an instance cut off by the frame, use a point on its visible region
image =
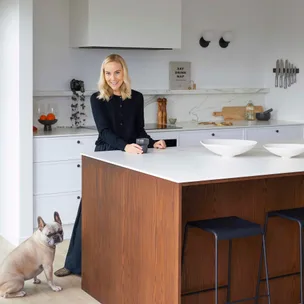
(227, 228)
(296, 215)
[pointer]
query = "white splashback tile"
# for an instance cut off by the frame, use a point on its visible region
(182, 107)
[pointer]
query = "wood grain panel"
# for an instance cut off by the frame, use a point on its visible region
(131, 236)
(250, 200)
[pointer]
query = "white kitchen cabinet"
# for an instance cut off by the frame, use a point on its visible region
(272, 134)
(126, 24)
(193, 138)
(56, 177)
(62, 148)
(65, 203)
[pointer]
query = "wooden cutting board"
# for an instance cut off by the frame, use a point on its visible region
(236, 113)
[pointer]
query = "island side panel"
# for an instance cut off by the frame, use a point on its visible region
(131, 236)
(250, 200)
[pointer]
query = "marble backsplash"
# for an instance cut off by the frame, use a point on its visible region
(182, 107)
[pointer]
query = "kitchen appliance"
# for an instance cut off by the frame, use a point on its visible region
(155, 126)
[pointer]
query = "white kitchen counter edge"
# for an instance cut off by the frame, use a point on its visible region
(196, 164)
(186, 126)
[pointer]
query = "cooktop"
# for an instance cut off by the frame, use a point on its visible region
(150, 126)
(155, 126)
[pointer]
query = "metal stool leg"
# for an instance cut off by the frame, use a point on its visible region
(216, 269)
(301, 263)
(257, 294)
(184, 246)
(266, 268)
(229, 273)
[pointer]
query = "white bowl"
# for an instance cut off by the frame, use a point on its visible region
(228, 147)
(285, 150)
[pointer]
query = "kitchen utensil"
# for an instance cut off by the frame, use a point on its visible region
(264, 116)
(295, 74)
(228, 147)
(285, 74)
(143, 142)
(285, 150)
(281, 72)
(277, 73)
(47, 124)
(235, 112)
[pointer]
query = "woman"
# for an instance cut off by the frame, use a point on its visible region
(118, 112)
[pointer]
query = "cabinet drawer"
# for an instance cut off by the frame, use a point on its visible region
(66, 204)
(191, 138)
(62, 148)
(271, 134)
(56, 177)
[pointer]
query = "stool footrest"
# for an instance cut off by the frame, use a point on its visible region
(202, 291)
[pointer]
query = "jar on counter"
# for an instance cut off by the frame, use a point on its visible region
(249, 112)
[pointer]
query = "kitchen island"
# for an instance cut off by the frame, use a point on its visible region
(135, 207)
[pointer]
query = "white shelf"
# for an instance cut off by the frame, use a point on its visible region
(166, 92)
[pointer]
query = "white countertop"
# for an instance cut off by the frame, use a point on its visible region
(186, 126)
(65, 131)
(196, 164)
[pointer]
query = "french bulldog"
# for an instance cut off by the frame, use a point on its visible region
(30, 258)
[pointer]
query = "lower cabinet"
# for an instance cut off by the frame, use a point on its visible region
(272, 134)
(57, 163)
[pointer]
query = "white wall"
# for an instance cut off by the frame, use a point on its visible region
(240, 65)
(15, 119)
(286, 42)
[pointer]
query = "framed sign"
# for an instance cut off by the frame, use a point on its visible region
(180, 75)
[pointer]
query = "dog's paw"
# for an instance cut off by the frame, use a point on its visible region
(37, 281)
(21, 293)
(56, 288)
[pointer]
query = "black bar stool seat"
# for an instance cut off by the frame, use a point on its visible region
(228, 228)
(296, 214)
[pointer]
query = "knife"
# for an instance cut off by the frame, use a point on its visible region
(291, 73)
(295, 74)
(286, 74)
(281, 72)
(277, 74)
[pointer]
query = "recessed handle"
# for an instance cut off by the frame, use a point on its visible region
(78, 141)
(277, 131)
(78, 166)
(78, 197)
(213, 134)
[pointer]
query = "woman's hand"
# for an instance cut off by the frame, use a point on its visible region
(134, 149)
(160, 144)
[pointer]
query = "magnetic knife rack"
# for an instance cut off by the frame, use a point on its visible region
(275, 70)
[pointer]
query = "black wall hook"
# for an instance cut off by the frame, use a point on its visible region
(223, 43)
(204, 43)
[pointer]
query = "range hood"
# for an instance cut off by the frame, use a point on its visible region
(129, 24)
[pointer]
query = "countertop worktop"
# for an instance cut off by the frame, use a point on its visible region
(194, 164)
(186, 126)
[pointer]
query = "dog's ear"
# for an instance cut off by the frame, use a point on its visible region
(57, 218)
(41, 223)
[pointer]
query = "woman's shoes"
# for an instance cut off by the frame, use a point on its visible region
(62, 272)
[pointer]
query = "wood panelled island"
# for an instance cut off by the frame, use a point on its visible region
(134, 208)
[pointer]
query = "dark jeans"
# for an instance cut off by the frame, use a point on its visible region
(73, 258)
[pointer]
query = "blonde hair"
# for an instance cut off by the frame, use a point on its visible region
(105, 91)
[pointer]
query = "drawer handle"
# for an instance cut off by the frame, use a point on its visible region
(277, 131)
(78, 166)
(213, 134)
(78, 141)
(78, 197)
